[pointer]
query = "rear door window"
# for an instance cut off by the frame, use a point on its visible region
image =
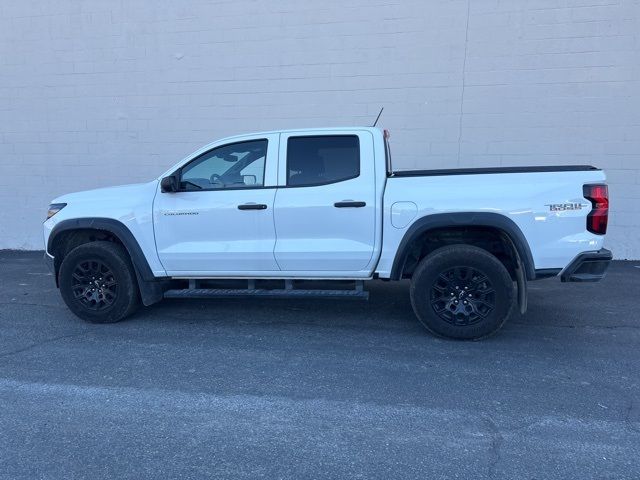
(320, 160)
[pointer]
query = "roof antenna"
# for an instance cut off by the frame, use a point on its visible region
(377, 118)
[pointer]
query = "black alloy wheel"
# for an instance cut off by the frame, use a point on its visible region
(94, 285)
(462, 295)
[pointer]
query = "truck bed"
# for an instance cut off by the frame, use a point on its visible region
(525, 195)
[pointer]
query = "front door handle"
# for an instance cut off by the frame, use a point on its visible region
(349, 204)
(252, 206)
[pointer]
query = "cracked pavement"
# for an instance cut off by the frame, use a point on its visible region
(304, 388)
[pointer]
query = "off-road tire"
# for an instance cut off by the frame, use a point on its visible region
(442, 275)
(116, 279)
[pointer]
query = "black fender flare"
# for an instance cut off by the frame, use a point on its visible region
(151, 287)
(465, 219)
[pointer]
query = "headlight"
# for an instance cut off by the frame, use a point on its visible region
(55, 208)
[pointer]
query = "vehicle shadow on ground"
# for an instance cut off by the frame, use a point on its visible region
(389, 307)
(552, 304)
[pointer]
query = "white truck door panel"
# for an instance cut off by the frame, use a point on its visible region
(325, 208)
(224, 221)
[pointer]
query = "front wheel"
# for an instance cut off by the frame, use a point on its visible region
(462, 292)
(98, 283)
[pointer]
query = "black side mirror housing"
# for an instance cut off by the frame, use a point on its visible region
(169, 184)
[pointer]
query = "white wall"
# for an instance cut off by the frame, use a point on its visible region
(95, 93)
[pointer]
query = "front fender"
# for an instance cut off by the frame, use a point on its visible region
(151, 288)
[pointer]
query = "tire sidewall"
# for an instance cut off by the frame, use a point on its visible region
(113, 256)
(462, 256)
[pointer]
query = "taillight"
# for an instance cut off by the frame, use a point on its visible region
(597, 219)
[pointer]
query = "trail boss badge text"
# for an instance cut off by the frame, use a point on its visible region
(561, 207)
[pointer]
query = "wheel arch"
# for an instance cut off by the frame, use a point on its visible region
(74, 232)
(501, 224)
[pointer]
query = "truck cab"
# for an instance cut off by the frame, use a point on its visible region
(303, 203)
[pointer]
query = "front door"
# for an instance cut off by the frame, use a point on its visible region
(221, 220)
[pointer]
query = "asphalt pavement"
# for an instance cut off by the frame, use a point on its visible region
(315, 388)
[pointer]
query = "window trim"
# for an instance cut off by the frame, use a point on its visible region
(357, 137)
(178, 172)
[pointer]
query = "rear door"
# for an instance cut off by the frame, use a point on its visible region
(325, 205)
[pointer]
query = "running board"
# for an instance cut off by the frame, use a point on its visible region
(288, 292)
(281, 293)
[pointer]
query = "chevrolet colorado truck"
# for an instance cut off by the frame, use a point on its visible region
(318, 212)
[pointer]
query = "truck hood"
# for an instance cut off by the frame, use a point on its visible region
(120, 194)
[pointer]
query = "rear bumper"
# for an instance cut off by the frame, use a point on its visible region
(587, 267)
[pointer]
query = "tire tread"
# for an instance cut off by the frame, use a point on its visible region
(454, 254)
(118, 259)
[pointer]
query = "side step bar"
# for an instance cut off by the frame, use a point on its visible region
(288, 292)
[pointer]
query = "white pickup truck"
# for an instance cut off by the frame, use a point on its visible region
(317, 212)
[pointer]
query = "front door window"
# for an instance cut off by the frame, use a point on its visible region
(237, 165)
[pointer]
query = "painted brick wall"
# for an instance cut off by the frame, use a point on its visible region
(96, 93)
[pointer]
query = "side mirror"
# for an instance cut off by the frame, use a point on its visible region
(169, 184)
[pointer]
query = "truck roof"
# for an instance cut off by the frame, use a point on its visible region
(305, 130)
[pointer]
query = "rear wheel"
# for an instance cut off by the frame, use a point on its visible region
(98, 283)
(462, 292)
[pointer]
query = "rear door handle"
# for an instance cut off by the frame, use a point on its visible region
(349, 204)
(252, 206)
